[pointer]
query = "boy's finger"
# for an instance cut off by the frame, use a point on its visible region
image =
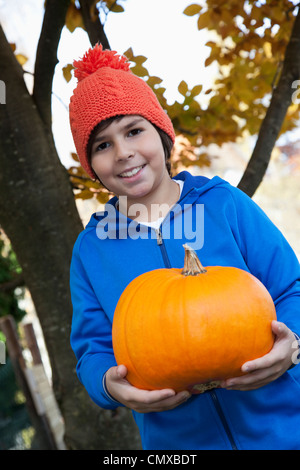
(121, 371)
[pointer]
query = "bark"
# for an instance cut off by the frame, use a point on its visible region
(46, 56)
(10, 286)
(272, 123)
(39, 215)
(93, 25)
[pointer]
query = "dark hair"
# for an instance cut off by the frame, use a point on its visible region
(167, 142)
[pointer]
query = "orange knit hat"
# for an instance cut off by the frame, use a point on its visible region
(106, 87)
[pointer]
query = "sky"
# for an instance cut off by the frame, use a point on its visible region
(156, 29)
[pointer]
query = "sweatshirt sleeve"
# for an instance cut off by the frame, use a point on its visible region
(91, 337)
(269, 257)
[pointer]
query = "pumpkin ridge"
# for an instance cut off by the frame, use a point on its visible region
(132, 369)
(137, 284)
(155, 368)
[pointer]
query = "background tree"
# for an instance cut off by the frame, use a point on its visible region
(258, 51)
(39, 215)
(253, 44)
(10, 279)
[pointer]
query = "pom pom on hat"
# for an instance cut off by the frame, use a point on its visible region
(96, 58)
(106, 87)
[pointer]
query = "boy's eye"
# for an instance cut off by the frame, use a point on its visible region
(134, 132)
(102, 146)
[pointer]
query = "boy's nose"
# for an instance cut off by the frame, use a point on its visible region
(123, 151)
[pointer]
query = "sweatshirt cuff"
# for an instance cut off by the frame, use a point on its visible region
(115, 402)
(296, 359)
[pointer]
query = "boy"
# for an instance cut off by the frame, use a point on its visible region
(123, 138)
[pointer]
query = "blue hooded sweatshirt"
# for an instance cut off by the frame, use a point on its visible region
(225, 228)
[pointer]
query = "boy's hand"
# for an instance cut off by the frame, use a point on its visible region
(267, 368)
(143, 401)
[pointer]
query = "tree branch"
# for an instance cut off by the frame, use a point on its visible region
(272, 123)
(17, 281)
(46, 57)
(93, 27)
(11, 70)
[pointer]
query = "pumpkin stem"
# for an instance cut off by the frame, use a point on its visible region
(192, 265)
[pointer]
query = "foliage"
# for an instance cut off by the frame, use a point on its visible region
(250, 40)
(9, 269)
(15, 425)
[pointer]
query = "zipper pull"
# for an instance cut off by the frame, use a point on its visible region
(159, 236)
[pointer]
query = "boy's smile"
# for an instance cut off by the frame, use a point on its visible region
(129, 159)
(132, 171)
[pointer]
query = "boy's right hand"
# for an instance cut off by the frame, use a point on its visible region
(143, 401)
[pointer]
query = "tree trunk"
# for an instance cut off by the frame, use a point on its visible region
(270, 128)
(39, 215)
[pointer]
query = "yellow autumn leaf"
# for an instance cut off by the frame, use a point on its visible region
(75, 156)
(84, 194)
(192, 10)
(139, 59)
(117, 8)
(73, 18)
(204, 20)
(129, 54)
(102, 197)
(139, 70)
(293, 108)
(183, 88)
(152, 81)
(196, 90)
(67, 72)
(111, 5)
(267, 48)
(22, 59)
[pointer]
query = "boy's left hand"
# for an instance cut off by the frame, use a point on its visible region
(265, 369)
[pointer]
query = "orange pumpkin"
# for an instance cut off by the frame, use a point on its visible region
(190, 328)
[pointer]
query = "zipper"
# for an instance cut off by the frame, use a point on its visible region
(162, 247)
(159, 237)
(223, 419)
(215, 400)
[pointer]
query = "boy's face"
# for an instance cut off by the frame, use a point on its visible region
(128, 157)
